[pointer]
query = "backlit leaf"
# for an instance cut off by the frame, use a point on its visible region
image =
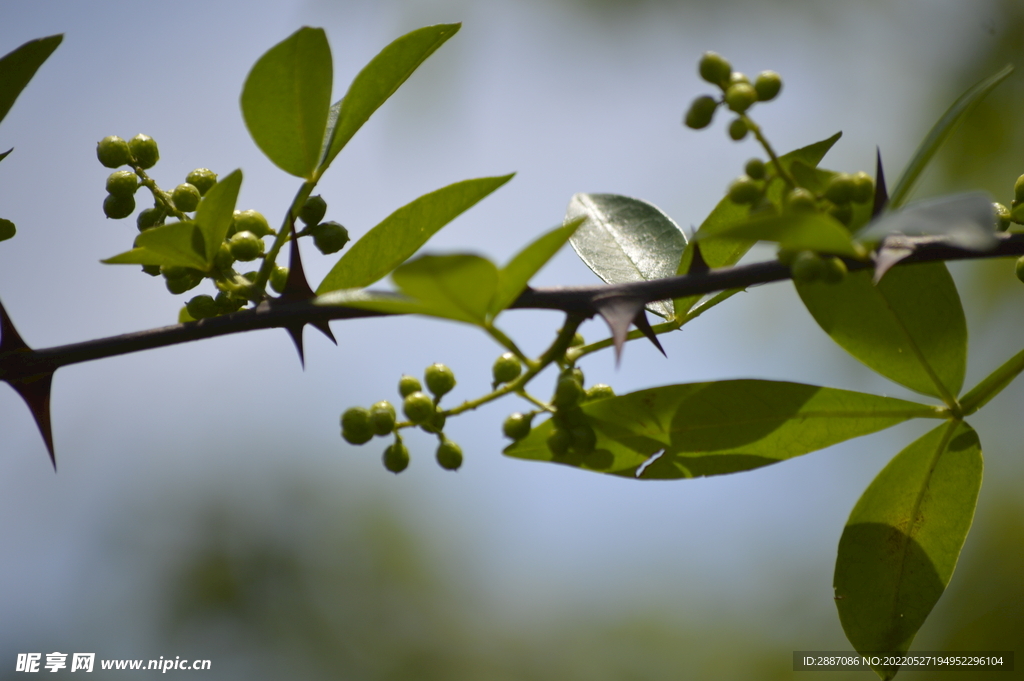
(458, 287)
(216, 211)
(514, 277)
(798, 232)
(18, 66)
(172, 245)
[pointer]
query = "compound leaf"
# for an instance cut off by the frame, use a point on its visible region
(401, 234)
(903, 539)
(285, 101)
(698, 429)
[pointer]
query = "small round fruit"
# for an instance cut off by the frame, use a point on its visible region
(1002, 214)
(122, 183)
(223, 260)
(144, 150)
(382, 418)
(701, 112)
(227, 303)
(1017, 213)
(439, 379)
(737, 77)
(185, 197)
(245, 246)
(577, 340)
(313, 210)
(767, 85)
(435, 424)
(396, 457)
(584, 439)
(738, 129)
(1019, 268)
(418, 407)
(807, 267)
(506, 368)
(517, 426)
(202, 306)
(1018, 189)
(118, 207)
(599, 391)
(149, 218)
(843, 213)
(202, 179)
(744, 190)
(407, 385)
(800, 200)
(278, 278)
(568, 392)
(251, 221)
(740, 96)
(756, 169)
(112, 151)
(449, 455)
(714, 68)
(559, 442)
(355, 425)
(841, 189)
(575, 372)
(330, 237)
(834, 270)
(863, 187)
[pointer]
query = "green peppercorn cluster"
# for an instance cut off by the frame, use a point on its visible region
(737, 94)
(422, 409)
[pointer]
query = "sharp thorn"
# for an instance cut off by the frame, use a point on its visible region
(35, 390)
(296, 333)
(881, 194)
(698, 265)
(641, 322)
(10, 339)
(325, 329)
(619, 313)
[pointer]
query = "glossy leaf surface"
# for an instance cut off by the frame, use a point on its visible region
(173, 245)
(377, 81)
(909, 328)
(18, 66)
(513, 278)
(903, 539)
(286, 99)
(401, 234)
(216, 211)
(698, 429)
(624, 239)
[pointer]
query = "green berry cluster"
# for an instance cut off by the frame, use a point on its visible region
(329, 237)
(808, 267)
(359, 425)
(738, 94)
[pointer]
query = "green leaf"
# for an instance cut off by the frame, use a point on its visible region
(458, 287)
(698, 429)
(7, 229)
(624, 239)
(173, 245)
(18, 67)
(800, 231)
(940, 132)
(377, 81)
(216, 211)
(401, 234)
(909, 328)
(517, 273)
(6, 153)
(903, 538)
(286, 98)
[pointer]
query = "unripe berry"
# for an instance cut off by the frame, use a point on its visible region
(355, 425)
(151, 270)
(599, 391)
(112, 151)
(407, 385)
(767, 85)
(144, 150)
(1017, 213)
(1018, 190)
(251, 221)
(180, 279)
(863, 187)
(202, 306)
(568, 392)
(435, 424)
(559, 442)
(714, 68)
(185, 197)
(577, 340)
(202, 179)
(737, 77)
(329, 237)
(584, 439)
(382, 418)
(227, 304)
(418, 407)
(313, 210)
(1002, 216)
(506, 368)
(1019, 268)
(701, 112)
(122, 183)
(807, 267)
(245, 246)
(223, 260)
(740, 96)
(118, 207)
(800, 200)
(756, 169)
(149, 218)
(396, 457)
(575, 373)
(841, 189)
(744, 190)
(449, 455)
(439, 379)
(738, 129)
(517, 426)
(834, 270)
(278, 278)
(843, 213)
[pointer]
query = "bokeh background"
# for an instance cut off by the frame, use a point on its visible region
(205, 506)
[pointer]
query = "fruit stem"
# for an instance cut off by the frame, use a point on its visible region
(992, 385)
(779, 168)
(283, 234)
